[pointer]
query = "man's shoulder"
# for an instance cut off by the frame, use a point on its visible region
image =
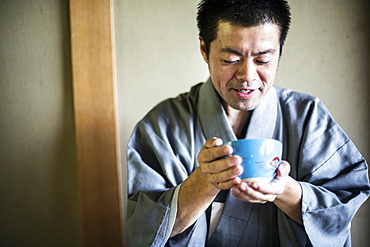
(301, 104)
(287, 95)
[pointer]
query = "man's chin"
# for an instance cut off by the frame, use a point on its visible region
(244, 107)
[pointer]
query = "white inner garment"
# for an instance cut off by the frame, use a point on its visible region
(215, 217)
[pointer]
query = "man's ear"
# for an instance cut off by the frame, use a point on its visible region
(203, 49)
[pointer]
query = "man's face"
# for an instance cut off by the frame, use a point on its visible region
(243, 62)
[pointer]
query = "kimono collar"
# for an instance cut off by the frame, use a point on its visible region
(214, 120)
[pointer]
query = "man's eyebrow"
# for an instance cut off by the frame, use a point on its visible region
(263, 52)
(231, 50)
(236, 52)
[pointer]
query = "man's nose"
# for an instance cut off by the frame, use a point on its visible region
(247, 71)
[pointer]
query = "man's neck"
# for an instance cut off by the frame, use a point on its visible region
(237, 119)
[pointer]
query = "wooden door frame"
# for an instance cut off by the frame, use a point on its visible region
(96, 122)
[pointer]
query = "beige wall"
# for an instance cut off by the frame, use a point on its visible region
(38, 178)
(326, 55)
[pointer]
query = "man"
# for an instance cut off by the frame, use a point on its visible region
(181, 191)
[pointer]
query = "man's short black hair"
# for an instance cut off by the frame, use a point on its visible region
(246, 13)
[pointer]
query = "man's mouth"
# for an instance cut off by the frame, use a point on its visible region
(244, 93)
(245, 90)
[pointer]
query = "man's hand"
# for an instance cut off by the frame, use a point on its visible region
(283, 191)
(202, 186)
(221, 172)
(263, 192)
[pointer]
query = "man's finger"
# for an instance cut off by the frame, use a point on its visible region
(213, 142)
(284, 169)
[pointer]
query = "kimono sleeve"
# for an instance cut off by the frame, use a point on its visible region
(150, 219)
(154, 178)
(334, 180)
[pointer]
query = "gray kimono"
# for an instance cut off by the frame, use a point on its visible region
(162, 153)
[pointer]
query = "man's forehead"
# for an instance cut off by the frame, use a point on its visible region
(227, 49)
(226, 27)
(261, 39)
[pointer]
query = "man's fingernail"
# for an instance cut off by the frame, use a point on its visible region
(217, 142)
